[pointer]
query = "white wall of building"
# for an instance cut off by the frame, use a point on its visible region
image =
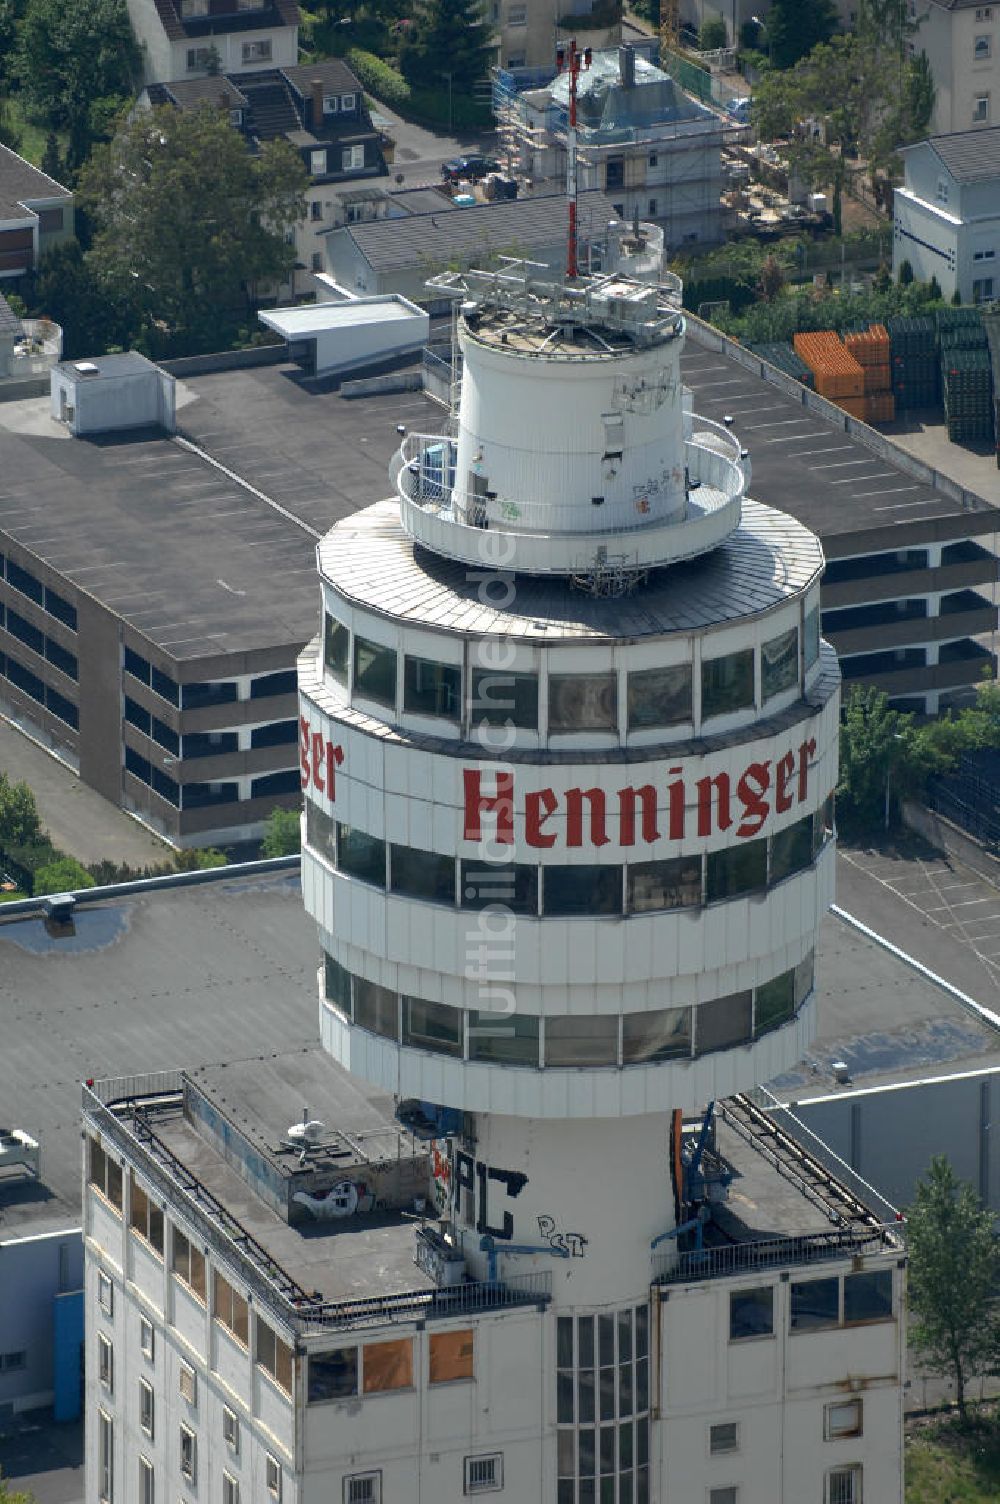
(34, 1270)
(965, 74)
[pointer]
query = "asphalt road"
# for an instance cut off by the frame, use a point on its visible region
(419, 152)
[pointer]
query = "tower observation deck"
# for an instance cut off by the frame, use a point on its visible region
(568, 743)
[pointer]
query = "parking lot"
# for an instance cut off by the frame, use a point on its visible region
(940, 912)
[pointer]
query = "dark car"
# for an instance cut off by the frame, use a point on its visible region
(470, 168)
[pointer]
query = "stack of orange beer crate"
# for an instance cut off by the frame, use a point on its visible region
(871, 350)
(837, 375)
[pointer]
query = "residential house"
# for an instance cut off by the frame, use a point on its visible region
(320, 110)
(36, 213)
(962, 41)
(947, 213)
(527, 31)
(198, 38)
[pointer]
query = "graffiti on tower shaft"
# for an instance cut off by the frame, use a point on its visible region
(482, 1183)
(574, 1244)
(319, 760)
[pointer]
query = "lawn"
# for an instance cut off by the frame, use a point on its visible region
(32, 136)
(945, 1465)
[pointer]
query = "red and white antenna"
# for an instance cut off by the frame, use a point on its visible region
(571, 59)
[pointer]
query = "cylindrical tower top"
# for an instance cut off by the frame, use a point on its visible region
(571, 437)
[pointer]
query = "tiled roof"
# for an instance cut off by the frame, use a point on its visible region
(20, 183)
(177, 27)
(189, 93)
(421, 239)
(970, 156)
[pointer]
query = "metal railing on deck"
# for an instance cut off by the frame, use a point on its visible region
(774, 1253)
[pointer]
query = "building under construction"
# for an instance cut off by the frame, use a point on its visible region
(655, 152)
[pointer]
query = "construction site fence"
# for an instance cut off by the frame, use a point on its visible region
(706, 85)
(713, 339)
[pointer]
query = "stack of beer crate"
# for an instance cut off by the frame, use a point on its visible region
(966, 374)
(914, 357)
(837, 375)
(870, 348)
(786, 360)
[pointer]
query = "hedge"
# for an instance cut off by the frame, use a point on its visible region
(424, 106)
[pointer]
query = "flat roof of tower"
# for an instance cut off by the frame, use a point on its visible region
(768, 560)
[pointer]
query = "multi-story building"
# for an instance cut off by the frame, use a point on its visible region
(947, 213)
(320, 111)
(962, 41)
(36, 213)
(655, 152)
(528, 31)
(204, 38)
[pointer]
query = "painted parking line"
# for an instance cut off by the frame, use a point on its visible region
(967, 903)
(703, 386)
(852, 480)
(839, 465)
(887, 490)
(778, 423)
(827, 449)
(791, 438)
(899, 506)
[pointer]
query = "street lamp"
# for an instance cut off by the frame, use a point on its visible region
(448, 77)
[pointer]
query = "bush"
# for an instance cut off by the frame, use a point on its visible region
(379, 78)
(426, 106)
(713, 35)
(64, 875)
(905, 274)
(283, 835)
(199, 859)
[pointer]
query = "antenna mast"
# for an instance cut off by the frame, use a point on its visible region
(572, 60)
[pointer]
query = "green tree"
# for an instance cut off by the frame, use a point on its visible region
(872, 743)
(9, 133)
(70, 53)
(713, 34)
(65, 875)
(772, 279)
(449, 44)
(905, 272)
(953, 1274)
(794, 27)
(52, 162)
(19, 819)
(199, 859)
(94, 316)
(187, 221)
(921, 94)
(283, 836)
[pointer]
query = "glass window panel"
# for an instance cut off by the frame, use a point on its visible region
(779, 663)
(336, 649)
(843, 1419)
(642, 1385)
(564, 1398)
(625, 1488)
(510, 1038)
(868, 1296)
(751, 1313)
(319, 831)
(586, 1395)
(501, 699)
(607, 1449)
(606, 1389)
(337, 984)
(792, 849)
(663, 1034)
(283, 682)
(583, 702)
(196, 695)
(566, 1448)
(585, 1341)
(508, 885)
(624, 1336)
(587, 1491)
(375, 672)
(723, 1022)
(727, 684)
(606, 1339)
(625, 1389)
(674, 884)
(165, 687)
(642, 1485)
(811, 633)
(642, 1441)
(114, 1183)
(659, 697)
(376, 1008)
(586, 1453)
(573, 1041)
(432, 1026)
(641, 1331)
(815, 1303)
(572, 891)
(564, 1342)
(432, 688)
(566, 1491)
(422, 874)
(823, 823)
(804, 979)
(361, 855)
(388, 1365)
(774, 1003)
(452, 1356)
(333, 1375)
(738, 869)
(625, 1445)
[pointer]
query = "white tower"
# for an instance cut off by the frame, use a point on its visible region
(568, 748)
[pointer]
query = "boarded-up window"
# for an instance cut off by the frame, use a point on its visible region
(451, 1356)
(231, 1309)
(274, 1356)
(388, 1365)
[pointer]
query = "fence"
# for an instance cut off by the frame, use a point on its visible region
(774, 1253)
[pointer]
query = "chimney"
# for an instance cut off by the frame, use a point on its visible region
(317, 104)
(626, 67)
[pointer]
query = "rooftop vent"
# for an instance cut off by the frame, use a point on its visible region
(86, 368)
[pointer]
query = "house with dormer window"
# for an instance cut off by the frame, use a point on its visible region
(320, 111)
(190, 39)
